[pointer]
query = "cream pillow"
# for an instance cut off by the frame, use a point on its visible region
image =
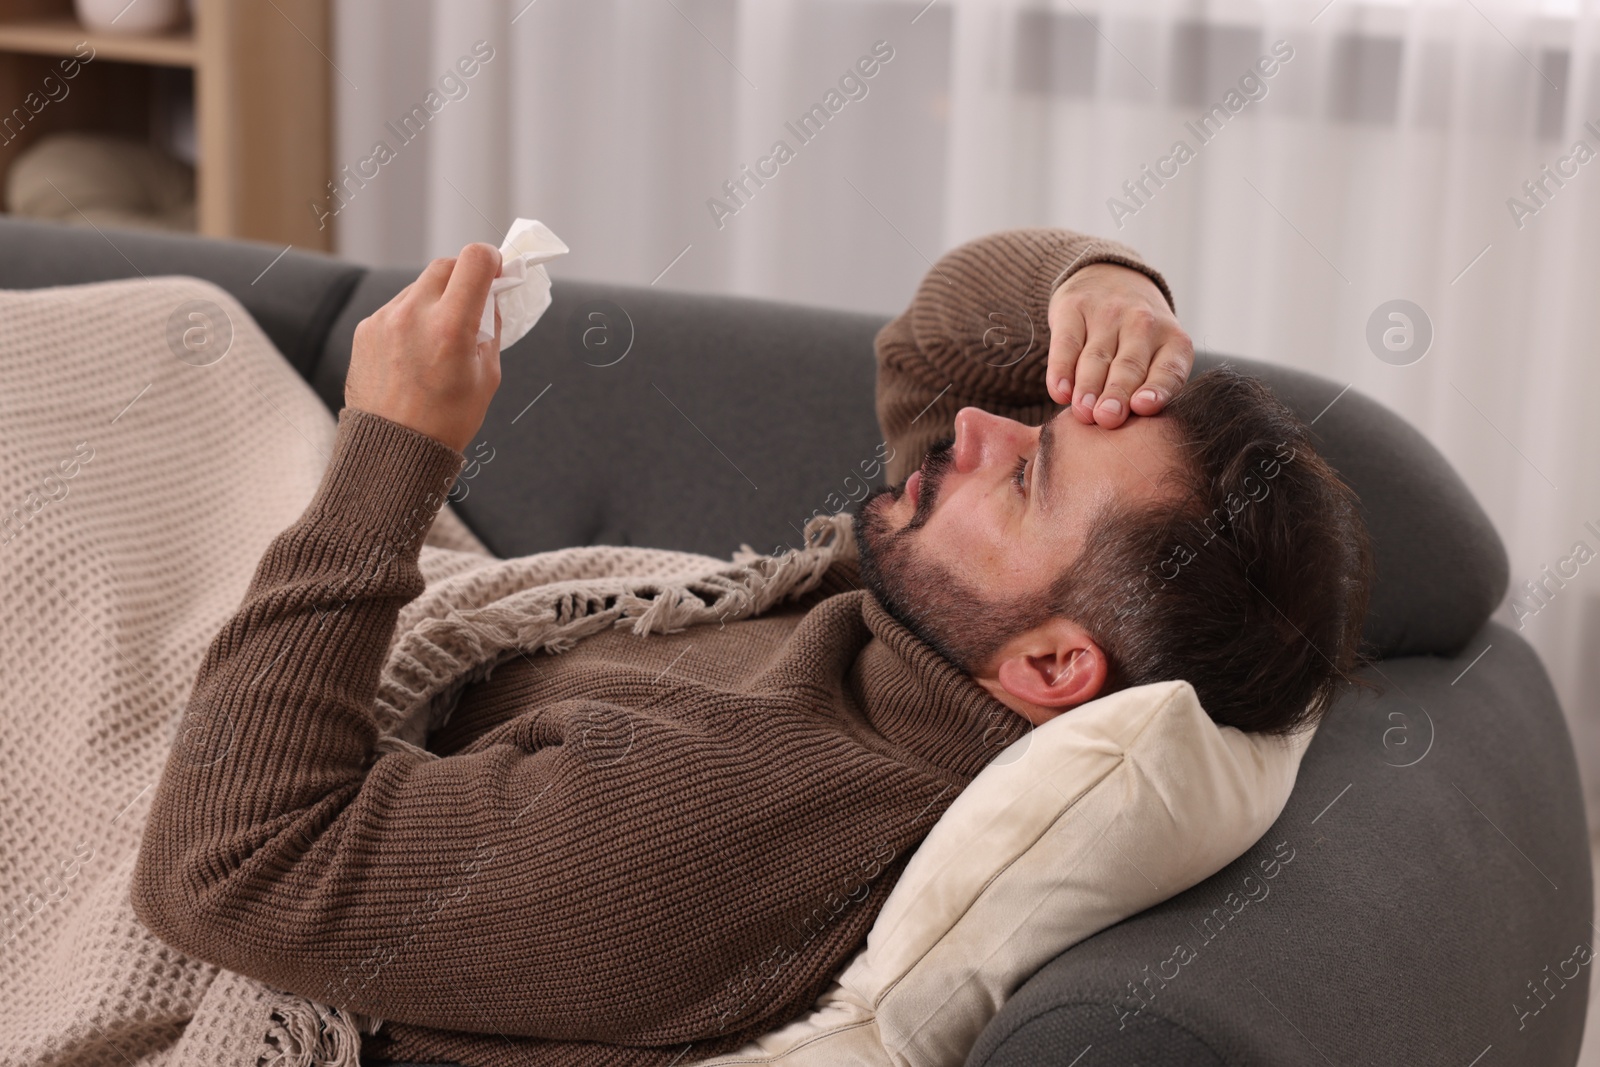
(1093, 817)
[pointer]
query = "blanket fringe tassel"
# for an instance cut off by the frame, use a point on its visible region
(304, 1033)
(433, 664)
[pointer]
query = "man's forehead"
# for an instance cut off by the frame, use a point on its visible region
(1138, 455)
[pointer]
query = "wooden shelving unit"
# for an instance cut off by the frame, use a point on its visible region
(60, 37)
(261, 76)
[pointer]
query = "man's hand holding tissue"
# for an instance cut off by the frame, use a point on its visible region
(417, 361)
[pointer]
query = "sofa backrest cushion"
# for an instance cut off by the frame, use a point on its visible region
(294, 296)
(632, 415)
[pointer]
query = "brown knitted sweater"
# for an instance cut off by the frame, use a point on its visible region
(642, 851)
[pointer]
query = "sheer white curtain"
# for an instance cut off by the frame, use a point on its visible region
(1396, 151)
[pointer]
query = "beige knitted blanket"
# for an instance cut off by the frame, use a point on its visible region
(147, 458)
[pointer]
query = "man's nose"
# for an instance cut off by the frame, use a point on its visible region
(979, 435)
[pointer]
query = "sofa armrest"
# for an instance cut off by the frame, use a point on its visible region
(1440, 871)
(1053, 1038)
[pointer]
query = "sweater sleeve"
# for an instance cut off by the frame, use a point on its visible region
(977, 334)
(263, 822)
(280, 843)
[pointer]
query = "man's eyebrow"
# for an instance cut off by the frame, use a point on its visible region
(1044, 460)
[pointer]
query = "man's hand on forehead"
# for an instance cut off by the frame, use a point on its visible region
(1115, 346)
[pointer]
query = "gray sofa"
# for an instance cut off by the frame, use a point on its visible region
(1439, 864)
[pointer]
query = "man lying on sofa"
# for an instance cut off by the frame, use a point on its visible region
(1058, 528)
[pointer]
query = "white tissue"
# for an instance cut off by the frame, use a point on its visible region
(522, 292)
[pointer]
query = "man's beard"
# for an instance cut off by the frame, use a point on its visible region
(946, 613)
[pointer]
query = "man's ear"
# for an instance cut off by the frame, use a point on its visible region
(1047, 670)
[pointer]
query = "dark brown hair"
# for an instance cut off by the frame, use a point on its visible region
(1253, 588)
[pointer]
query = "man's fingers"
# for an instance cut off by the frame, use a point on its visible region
(1168, 371)
(1066, 342)
(431, 282)
(476, 267)
(1089, 376)
(1135, 345)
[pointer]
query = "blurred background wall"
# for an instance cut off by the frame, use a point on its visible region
(1440, 154)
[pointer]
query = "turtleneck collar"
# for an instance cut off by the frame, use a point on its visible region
(917, 699)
